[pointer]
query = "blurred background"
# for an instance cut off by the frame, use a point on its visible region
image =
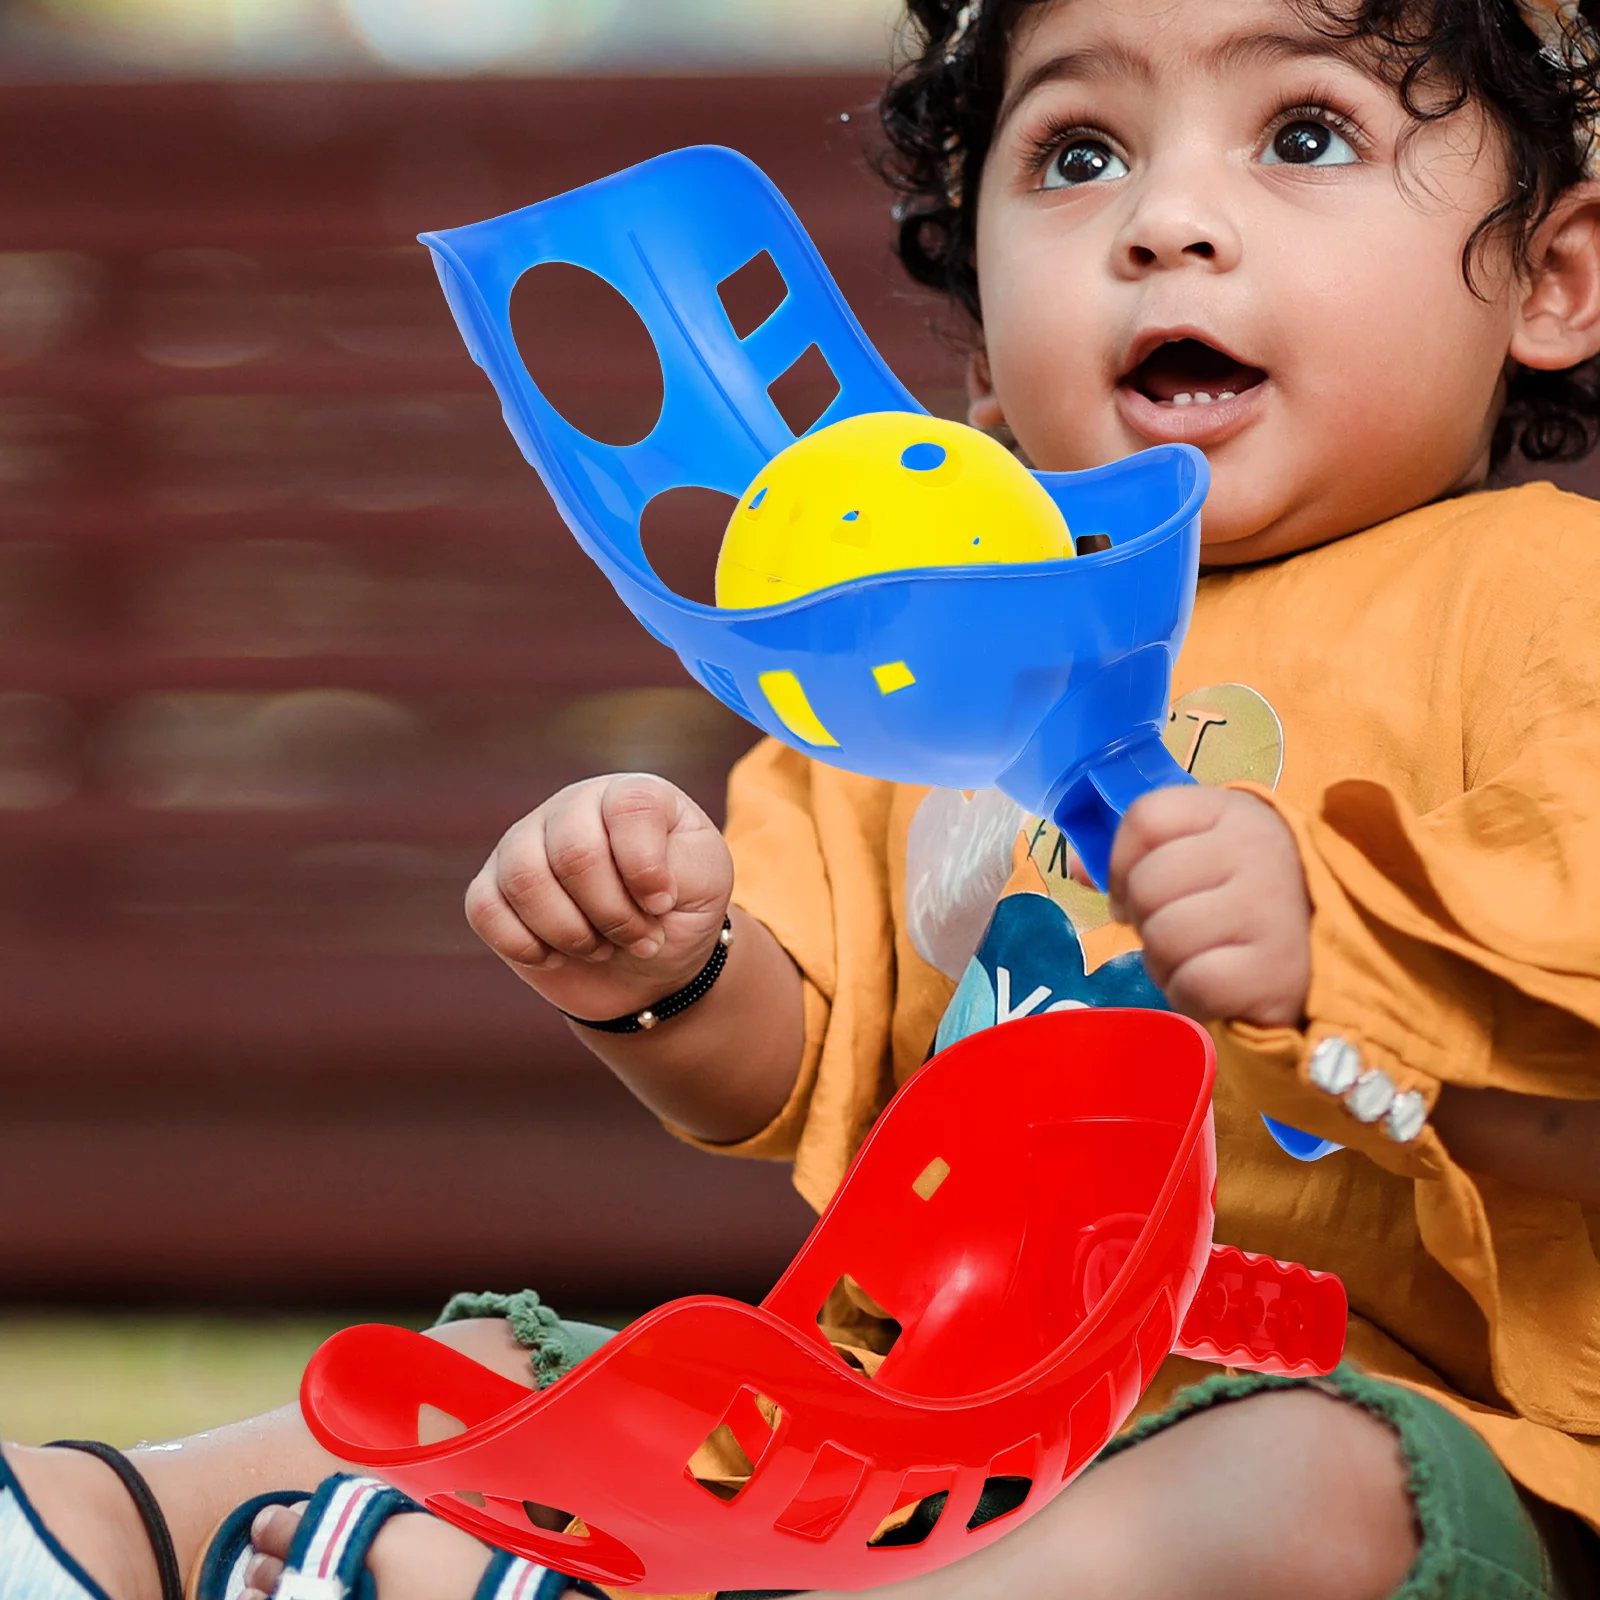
(81, 39)
(289, 634)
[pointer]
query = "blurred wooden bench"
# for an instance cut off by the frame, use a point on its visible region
(289, 634)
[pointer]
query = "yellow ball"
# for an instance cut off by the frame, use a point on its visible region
(881, 493)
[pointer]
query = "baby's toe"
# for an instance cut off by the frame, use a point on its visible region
(262, 1574)
(274, 1529)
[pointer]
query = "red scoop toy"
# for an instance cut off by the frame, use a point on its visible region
(1034, 1209)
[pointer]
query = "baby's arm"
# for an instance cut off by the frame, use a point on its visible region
(610, 897)
(1528, 1139)
(1211, 880)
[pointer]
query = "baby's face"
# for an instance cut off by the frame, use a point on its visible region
(1200, 222)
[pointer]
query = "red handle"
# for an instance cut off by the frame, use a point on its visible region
(1265, 1316)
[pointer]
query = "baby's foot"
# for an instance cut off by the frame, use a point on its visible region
(414, 1557)
(84, 1505)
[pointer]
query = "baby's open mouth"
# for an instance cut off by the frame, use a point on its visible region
(1187, 372)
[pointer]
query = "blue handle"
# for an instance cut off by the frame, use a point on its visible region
(1093, 805)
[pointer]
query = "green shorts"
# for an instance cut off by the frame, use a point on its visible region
(1481, 1536)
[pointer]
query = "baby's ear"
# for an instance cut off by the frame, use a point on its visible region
(983, 409)
(1558, 322)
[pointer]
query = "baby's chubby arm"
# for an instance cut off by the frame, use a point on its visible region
(610, 897)
(1211, 881)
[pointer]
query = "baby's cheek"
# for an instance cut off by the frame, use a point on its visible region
(1048, 358)
(1061, 420)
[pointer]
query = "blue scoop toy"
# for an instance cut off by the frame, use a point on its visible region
(1048, 681)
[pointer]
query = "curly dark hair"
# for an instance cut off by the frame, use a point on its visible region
(939, 111)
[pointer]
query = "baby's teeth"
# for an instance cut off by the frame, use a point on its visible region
(1183, 399)
(1201, 398)
(1227, 394)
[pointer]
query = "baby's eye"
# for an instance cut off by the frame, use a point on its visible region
(1308, 144)
(1084, 161)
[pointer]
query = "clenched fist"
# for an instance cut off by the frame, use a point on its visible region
(1211, 881)
(608, 897)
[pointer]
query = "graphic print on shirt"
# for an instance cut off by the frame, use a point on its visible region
(1050, 944)
(1031, 960)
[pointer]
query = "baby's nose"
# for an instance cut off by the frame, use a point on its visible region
(1176, 221)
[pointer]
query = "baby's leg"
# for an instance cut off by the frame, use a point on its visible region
(199, 1483)
(1286, 1493)
(1348, 1488)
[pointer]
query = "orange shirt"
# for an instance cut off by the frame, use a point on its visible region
(1430, 690)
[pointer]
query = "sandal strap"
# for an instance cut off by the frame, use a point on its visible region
(512, 1577)
(327, 1560)
(145, 1503)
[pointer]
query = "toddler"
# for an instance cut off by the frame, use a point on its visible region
(1351, 250)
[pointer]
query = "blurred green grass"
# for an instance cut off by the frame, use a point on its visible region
(130, 1377)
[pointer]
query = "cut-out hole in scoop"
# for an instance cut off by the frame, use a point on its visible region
(726, 1461)
(924, 1494)
(1000, 1497)
(861, 1332)
(1008, 1485)
(805, 391)
(435, 1426)
(588, 352)
(751, 294)
(551, 1520)
(826, 1494)
(681, 531)
(580, 1550)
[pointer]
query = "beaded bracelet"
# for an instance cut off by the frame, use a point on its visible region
(697, 988)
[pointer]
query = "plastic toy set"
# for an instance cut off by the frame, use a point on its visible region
(1034, 1208)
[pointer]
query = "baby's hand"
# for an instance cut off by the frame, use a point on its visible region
(1211, 881)
(608, 897)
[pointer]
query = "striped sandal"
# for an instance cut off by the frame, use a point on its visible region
(327, 1560)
